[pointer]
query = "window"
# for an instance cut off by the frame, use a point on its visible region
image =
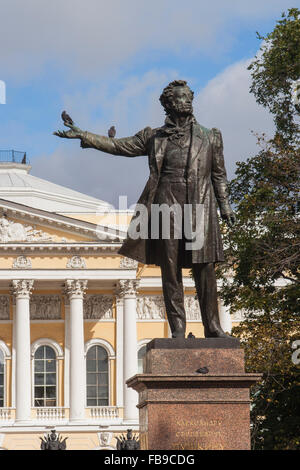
(141, 355)
(97, 376)
(45, 376)
(2, 374)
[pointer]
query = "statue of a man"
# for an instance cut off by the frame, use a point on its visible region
(186, 170)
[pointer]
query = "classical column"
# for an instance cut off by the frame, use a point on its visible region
(67, 352)
(127, 289)
(119, 349)
(224, 316)
(75, 289)
(21, 290)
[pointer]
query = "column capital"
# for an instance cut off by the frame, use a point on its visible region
(75, 287)
(22, 288)
(127, 287)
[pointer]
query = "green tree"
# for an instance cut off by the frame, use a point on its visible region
(261, 278)
(275, 68)
(261, 272)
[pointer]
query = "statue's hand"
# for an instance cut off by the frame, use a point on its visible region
(73, 133)
(229, 218)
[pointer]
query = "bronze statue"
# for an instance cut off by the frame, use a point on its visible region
(186, 169)
(53, 442)
(128, 442)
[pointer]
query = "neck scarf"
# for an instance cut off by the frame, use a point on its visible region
(177, 133)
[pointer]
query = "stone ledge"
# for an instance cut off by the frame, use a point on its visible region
(187, 380)
(194, 343)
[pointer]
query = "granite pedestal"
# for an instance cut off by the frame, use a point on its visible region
(194, 395)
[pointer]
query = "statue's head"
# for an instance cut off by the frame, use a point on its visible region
(53, 435)
(129, 434)
(177, 98)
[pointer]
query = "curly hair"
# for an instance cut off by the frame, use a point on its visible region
(168, 91)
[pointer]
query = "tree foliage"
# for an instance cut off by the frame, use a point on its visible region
(261, 278)
(261, 272)
(274, 69)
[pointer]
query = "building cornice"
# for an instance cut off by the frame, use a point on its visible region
(51, 248)
(63, 274)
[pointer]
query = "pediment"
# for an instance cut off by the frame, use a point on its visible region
(23, 224)
(14, 231)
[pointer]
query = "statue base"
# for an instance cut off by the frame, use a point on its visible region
(194, 395)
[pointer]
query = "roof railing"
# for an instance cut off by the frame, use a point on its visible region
(13, 156)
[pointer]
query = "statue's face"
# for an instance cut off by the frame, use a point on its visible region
(181, 101)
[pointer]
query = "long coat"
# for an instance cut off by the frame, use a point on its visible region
(206, 180)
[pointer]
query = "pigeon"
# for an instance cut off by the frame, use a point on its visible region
(112, 132)
(66, 118)
(202, 370)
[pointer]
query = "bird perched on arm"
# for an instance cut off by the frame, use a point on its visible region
(73, 133)
(66, 118)
(112, 132)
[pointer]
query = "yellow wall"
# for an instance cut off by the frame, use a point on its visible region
(196, 328)
(103, 329)
(60, 262)
(111, 218)
(154, 271)
(75, 440)
(146, 330)
(6, 333)
(54, 331)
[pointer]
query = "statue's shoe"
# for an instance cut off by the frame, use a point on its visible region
(217, 334)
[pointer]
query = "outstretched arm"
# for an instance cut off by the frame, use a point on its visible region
(127, 147)
(219, 179)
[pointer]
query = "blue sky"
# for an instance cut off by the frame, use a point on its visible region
(106, 63)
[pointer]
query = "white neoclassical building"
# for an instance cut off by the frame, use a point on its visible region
(75, 316)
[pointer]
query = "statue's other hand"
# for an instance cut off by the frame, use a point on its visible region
(229, 218)
(73, 133)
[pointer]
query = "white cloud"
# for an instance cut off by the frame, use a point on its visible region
(134, 106)
(226, 103)
(94, 173)
(92, 36)
(130, 103)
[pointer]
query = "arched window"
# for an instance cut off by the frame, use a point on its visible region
(97, 376)
(141, 355)
(45, 376)
(2, 377)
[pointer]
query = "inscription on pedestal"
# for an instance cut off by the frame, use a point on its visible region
(181, 409)
(198, 435)
(197, 425)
